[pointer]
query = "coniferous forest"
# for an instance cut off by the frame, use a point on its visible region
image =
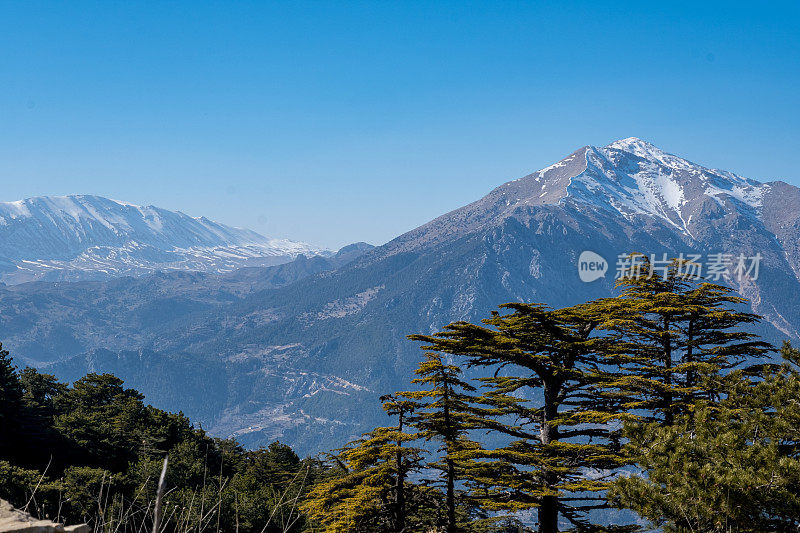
(652, 409)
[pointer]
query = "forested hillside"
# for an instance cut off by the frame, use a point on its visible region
(92, 452)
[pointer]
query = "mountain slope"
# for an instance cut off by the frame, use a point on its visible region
(305, 361)
(90, 237)
(631, 196)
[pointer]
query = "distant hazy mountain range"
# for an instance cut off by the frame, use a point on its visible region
(89, 237)
(301, 351)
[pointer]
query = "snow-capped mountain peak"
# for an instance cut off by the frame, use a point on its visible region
(82, 218)
(645, 150)
(629, 177)
(87, 236)
(633, 177)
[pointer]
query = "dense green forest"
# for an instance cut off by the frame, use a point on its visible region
(656, 401)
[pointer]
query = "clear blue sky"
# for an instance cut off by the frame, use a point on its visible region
(332, 122)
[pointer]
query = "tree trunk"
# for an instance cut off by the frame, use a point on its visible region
(690, 374)
(449, 441)
(451, 500)
(548, 515)
(667, 399)
(548, 509)
(400, 496)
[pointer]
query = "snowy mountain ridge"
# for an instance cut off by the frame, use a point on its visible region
(629, 177)
(662, 184)
(91, 237)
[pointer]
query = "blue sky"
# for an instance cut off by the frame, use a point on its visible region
(333, 122)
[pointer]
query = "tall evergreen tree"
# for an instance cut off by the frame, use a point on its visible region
(402, 409)
(564, 438)
(10, 404)
(672, 329)
(445, 413)
(732, 466)
(36, 417)
(103, 419)
(368, 489)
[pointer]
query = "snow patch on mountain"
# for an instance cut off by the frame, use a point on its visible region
(748, 192)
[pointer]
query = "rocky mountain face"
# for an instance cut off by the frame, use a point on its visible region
(305, 358)
(90, 237)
